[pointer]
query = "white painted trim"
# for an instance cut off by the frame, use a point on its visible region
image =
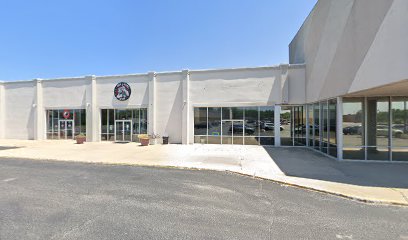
(151, 110)
(39, 120)
(277, 112)
(185, 135)
(339, 130)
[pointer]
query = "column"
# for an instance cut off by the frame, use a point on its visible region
(306, 108)
(39, 120)
(339, 126)
(371, 126)
(151, 116)
(186, 108)
(277, 120)
(2, 111)
(92, 116)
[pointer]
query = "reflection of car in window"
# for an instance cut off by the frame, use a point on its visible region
(383, 132)
(267, 126)
(402, 127)
(239, 128)
(352, 130)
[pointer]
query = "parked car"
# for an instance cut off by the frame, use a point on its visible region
(239, 128)
(352, 130)
(383, 131)
(270, 126)
(401, 127)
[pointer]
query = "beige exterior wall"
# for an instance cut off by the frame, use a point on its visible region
(352, 45)
(169, 97)
(19, 110)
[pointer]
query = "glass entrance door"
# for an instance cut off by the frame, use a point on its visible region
(233, 132)
(66, 129)
(123, 130)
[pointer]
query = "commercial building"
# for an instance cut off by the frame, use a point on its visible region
(344, 93)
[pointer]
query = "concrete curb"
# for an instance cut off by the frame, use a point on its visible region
(350, 197)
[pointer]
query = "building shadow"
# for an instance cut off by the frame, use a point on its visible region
(8, 148)
(306, 163)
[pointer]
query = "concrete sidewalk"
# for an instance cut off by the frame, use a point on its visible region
(370, 182)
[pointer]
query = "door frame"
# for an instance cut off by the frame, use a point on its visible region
(123, 130)
(232, 131)
(65, 128)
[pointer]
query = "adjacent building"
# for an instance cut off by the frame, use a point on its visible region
(344, 93)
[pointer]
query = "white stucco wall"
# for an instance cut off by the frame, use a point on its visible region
(19, 110)
(138, 83)
(170, 98)
(260, 86)
(62, 93)
(169, 102)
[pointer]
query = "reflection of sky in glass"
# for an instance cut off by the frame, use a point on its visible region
(351, 108)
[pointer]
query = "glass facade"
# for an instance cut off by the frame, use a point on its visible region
(65, 123)
(234, 125)
(321, 122)
(286, 126)
(399, 128)
(353, 128)
(299, 124)
(123, 124)
(375, 128)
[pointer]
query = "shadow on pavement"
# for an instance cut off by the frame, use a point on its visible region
(306, 163)
(8, 148)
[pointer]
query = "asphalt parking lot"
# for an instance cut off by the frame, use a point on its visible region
(59, 200)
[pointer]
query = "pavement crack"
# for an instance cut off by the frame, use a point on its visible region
(402, 194)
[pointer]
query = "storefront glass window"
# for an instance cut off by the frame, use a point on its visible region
(378, 124)
(353, 129)
(267, 129)
(316, 118)
(135, 121)
(252, 126)
(286, 119)
(399, 128)
(214, 125)
(324, 110)
(332, 127)
(311, 122)
(200, 125)
(65, 123)
(234, 125)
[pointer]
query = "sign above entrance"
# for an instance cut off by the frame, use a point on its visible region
(66, 114)
(122, 91)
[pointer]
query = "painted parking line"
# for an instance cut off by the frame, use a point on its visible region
(9, 179)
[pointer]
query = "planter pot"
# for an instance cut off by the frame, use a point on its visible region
(144, 141)
(80, 140)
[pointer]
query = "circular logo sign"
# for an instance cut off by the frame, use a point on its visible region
(66, 114)
(122, 91)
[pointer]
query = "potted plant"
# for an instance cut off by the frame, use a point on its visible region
(80, 138)
(144, 139)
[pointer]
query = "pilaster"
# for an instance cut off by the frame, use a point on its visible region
(186, 108)
(151, 117)
(92, 119)
(277, 114)
(39, 120)
(339, 130)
